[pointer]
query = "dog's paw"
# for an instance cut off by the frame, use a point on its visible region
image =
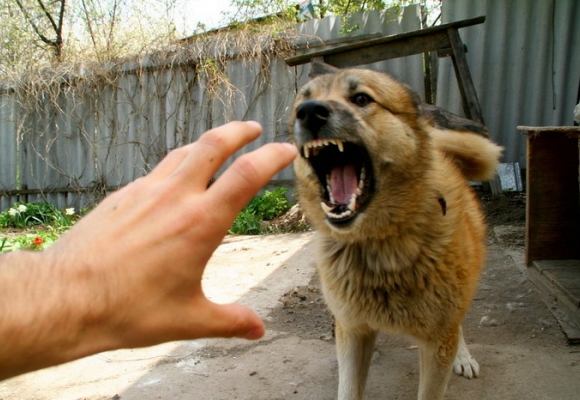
(465, 365)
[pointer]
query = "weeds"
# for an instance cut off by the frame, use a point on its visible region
(24, 215)
(262, 208)
(270, 205)
(49, 221)
(246, 223)
(37, 240)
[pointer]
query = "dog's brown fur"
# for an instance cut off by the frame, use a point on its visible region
(408, 260)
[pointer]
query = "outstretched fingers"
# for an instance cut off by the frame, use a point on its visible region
(212, 149)
(205, 214)
(200, 160)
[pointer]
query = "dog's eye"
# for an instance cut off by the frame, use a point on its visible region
(361, 99)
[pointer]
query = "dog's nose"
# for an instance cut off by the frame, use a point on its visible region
(313, 115)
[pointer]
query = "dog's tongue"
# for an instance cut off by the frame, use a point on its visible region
(343, 183)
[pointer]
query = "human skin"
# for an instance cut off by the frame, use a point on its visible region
(129, 273)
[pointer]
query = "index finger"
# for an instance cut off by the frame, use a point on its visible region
(213, 148)
(248, 174)
(209, 151)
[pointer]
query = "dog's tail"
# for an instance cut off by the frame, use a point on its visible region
(476, 156)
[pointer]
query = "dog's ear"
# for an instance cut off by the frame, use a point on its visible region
(319, 67)
(417, 102)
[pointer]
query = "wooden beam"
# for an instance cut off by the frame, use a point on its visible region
(471, 106)
(364, 54)
(413, 38)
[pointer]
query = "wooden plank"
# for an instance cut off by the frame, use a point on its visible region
(400, 48)
(572, 131)
(471, 106)
(441, 118)
(431, 68)
(552, 207)
(565, 275)
(550, 287)
(385, 40)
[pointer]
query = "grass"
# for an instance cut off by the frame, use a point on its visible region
(33, 226)
(28, 239)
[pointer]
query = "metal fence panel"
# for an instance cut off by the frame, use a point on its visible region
(9, 154)
(92, 134)
(525, 64)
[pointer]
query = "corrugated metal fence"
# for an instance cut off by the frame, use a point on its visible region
(81, 136)
(83, 139)
(87, 136)
(525, 64)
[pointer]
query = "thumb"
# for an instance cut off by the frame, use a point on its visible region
(233, 320)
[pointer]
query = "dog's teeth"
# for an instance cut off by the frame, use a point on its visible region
(361, 182)
(344, 214)
(329, 189)
(352, 203)
(318, 144)
(359, 189)
(327, 210)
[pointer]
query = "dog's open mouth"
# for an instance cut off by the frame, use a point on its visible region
(345, 173)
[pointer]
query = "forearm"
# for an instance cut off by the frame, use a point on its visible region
(46, 317)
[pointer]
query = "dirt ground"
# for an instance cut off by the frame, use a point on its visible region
(513, 335)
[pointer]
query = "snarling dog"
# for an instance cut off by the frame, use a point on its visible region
(400, 234)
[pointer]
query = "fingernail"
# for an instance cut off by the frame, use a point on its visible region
(254, 123)
(291, 146)
(255, 333)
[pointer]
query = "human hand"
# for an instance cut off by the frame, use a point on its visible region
(135, 263)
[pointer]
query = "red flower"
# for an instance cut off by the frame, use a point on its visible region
(38, 241)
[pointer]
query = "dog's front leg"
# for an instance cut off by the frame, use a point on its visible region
(464, 364)
(354, 349)
(435, 365)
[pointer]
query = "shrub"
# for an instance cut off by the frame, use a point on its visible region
(246, 223)
(262, 208)
(270, 205)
